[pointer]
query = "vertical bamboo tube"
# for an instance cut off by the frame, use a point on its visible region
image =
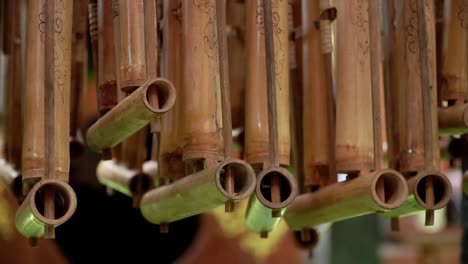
(106, 56)
(132, 48)
(256, 123)
(172, 135)
(354, 134)
(318, 120)
(93, 29)
(202, 102)
(33, 118)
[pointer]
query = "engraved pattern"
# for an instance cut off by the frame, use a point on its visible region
(412, 37)
(209, 33)
(360, 21)
(462, 14)
(60, 51)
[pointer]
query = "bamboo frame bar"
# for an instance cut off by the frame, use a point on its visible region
(198, 192)
(132, 53)
(352, 198)
(256, 121)
(130, 115)
(31, 221)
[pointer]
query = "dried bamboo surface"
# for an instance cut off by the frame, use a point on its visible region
(348, 199)
(256, 121)
(453, 120)
(354, 135)
(132, 48)
(318, 120)
(33, 118)
(172, 134)
(106, 56)
(202, 95)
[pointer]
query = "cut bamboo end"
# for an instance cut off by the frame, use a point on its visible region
(453, 120)
(352, 198)
(31, 219)
(130, 115)
(287, 188)
(122, 179)
(442, 190)
(306, 239)
(198, 192)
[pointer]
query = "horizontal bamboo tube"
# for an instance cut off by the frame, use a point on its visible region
(10, 177)
(317, 120)
(122, 179)
(256, 121)
(352, 198)
(354, 132)
(454, 70)
(416, 200)
(33, 118)
(264, 211)
(453, 120)
(198, 192)
(30, 218)
(130, 115)
(202, 102)
(62, 82)
(106, 68)
(172, 134)
(132, 48)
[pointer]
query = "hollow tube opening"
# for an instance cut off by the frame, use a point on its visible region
(442, 190)
(64, 202)
(243, 178)
(286, 183)
(165, 92)
(395, 190)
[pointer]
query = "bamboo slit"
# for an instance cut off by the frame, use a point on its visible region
(49, 113)
(49, 212)
(225, 94)
(427, 106)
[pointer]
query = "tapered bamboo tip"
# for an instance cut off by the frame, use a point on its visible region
(264, 234)
(242, 175)
(395, 189)
(429, 218)
(229, 206)
(442, 190)
(287, 188)
(306, 239)
(166, 95)
(164, 228)
(33, 241)
(49, 232)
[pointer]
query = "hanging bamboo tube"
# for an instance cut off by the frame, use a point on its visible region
(256, 121)
(33, 118)
(198, 192)
(79, 76)
(202, 101)
(93, 30)
(453, 118)
(414, 137)
(318, 115)
(172, 135)
(132, 49)
(355, 197)
(268, 49)
(31, 218)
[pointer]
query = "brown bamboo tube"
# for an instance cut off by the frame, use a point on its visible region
(417, 200)
(31, 220)
(198, 192)
(132, 48)
(130, 115)
(93, 29)
(453, 120)
(33, 118)
(354, 132)
(454, 70)
(264, 211)
(8, 18)
(256, 122)
(134, 149)
(79, 76)
(121, 178)
(355, 197)
(202, 102)
(317, 120)
(172, 135)
(106, 68)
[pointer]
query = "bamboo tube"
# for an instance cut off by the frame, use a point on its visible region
(202, 102)
(354, 134)
(122, 179)
(417, 200)
(10, 177)
(172, 135)
(8, 18)
(31, 220)
(79, 76)
(256, 123)
(33, 118)
(107, 80)
(265, 210)
(317, 120)
(453, 120)
(93, 29)
(130, 115)
(355, 197)
(132, 48)
(197, 193)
